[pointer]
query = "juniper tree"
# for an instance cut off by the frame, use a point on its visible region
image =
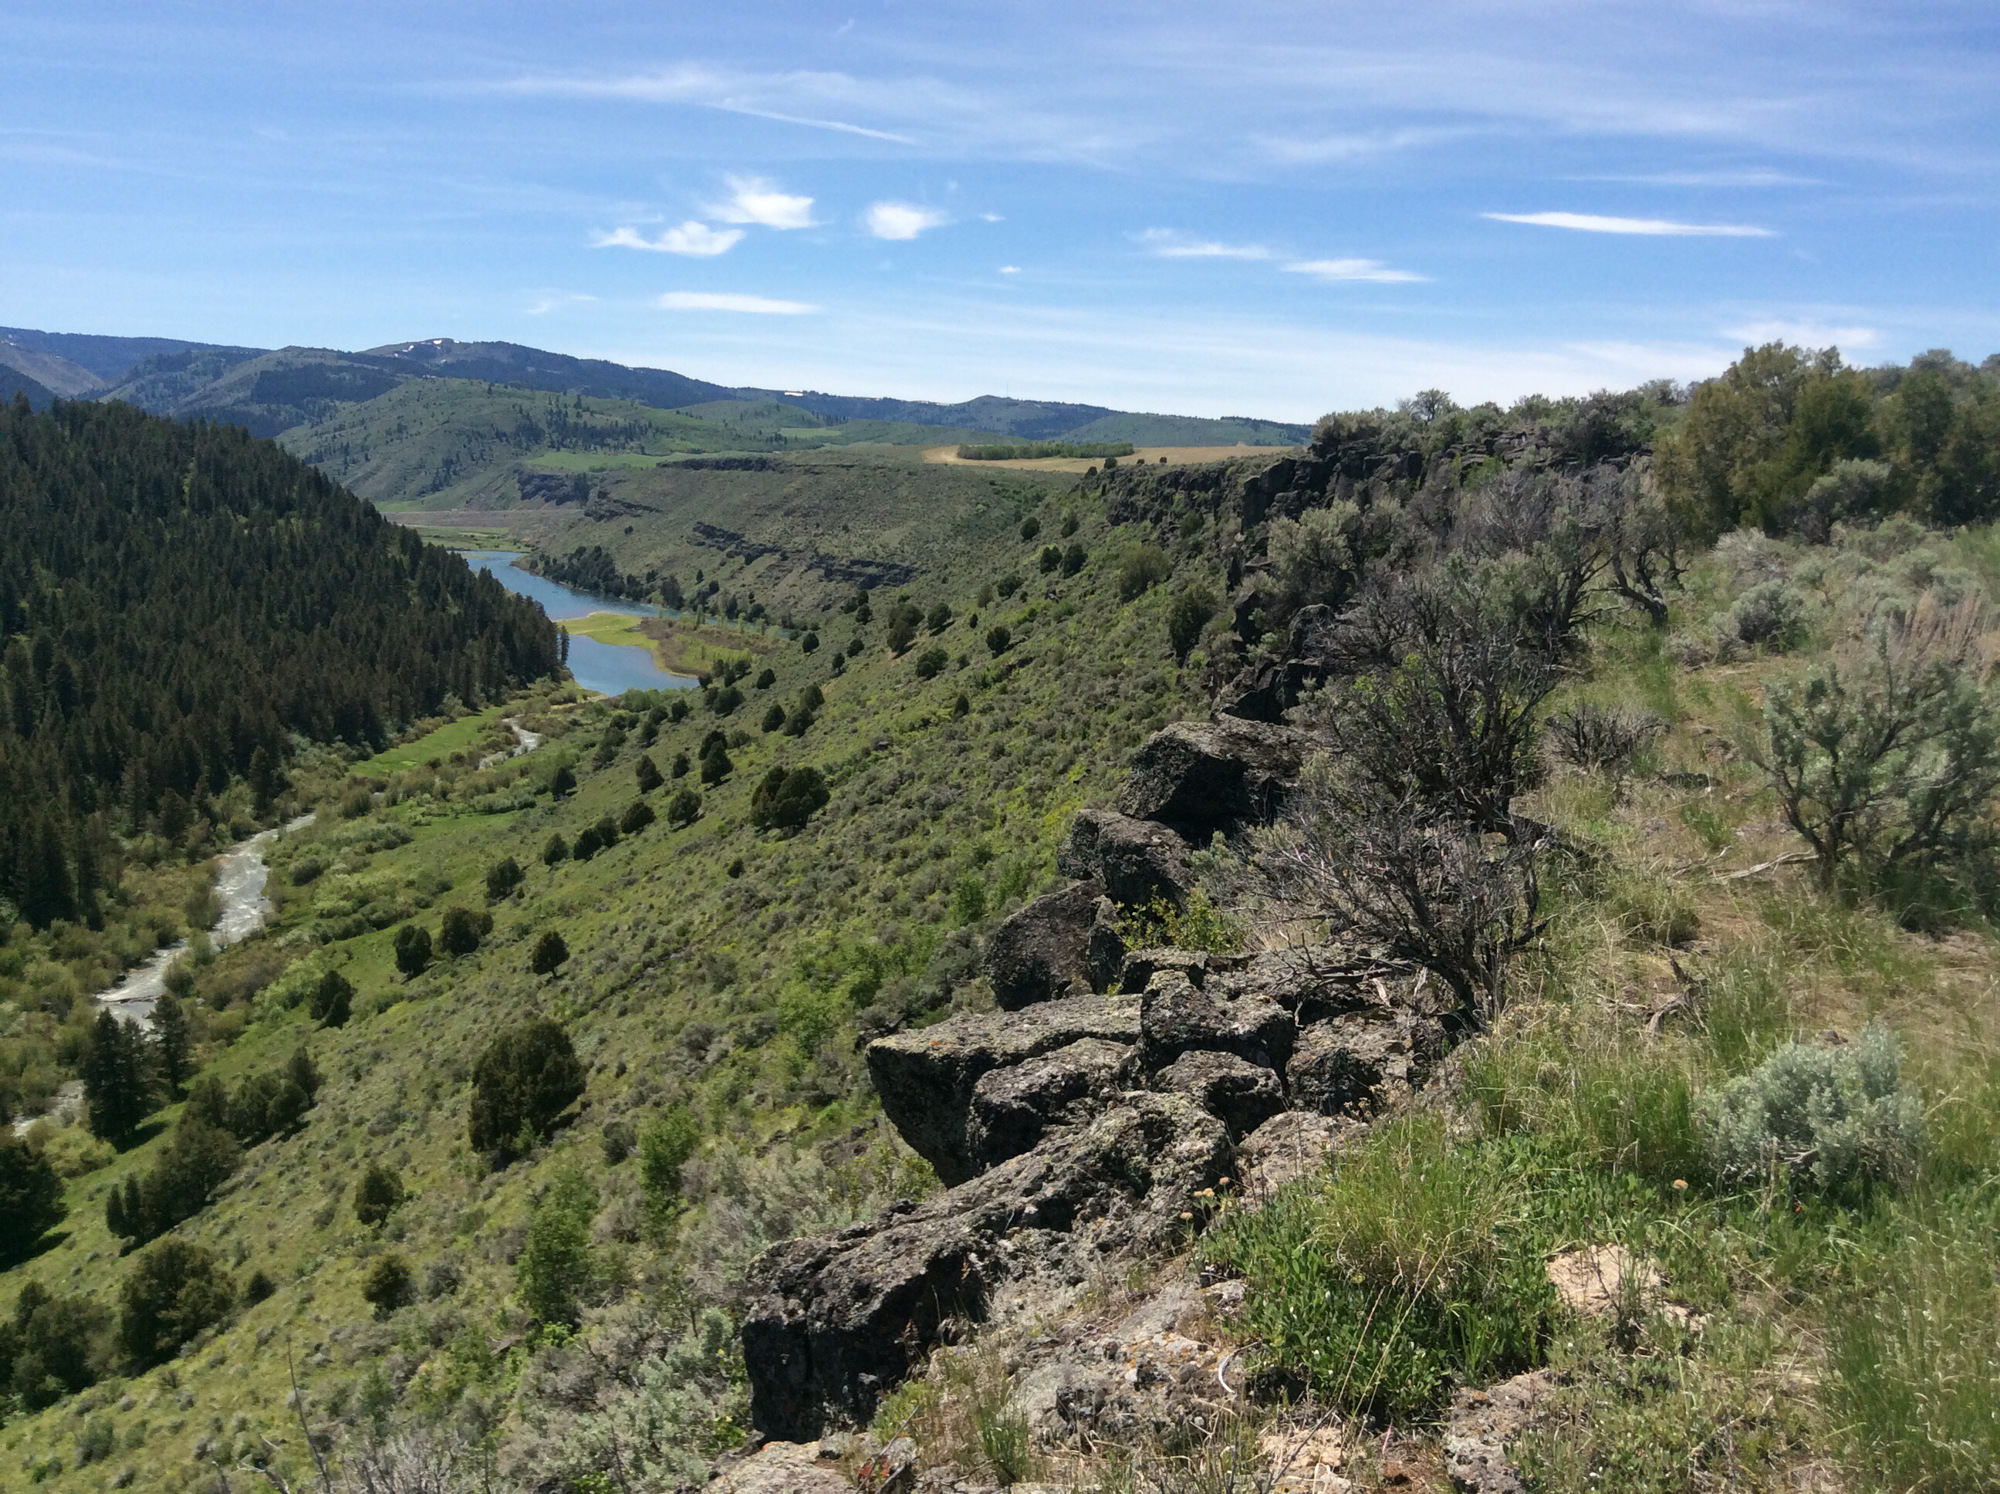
(173, 1043)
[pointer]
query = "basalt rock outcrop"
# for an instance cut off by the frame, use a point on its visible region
(1087, 1118)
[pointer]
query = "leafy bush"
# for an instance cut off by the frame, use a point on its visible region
(554, 849)
(332, 1000)
(930, 663)
(377, 1195)
(1198, 925)
(549, 954)
(461, 929)
(557, 1269)
(647, 773)
(527, 1076)
(1409, 1268)
(684, 808)
(665, 1146)
(1073, 559)
(1192, 607)
(1896, 761)
(774, 717)
(413, 950)
(998, 640)
(60, 1345)
(172, 1293)
(785, 800)
(1051, 559)
(1835, 1114)
(1771, 615)
(637, 816)
(389, 1285)
(1141, 570)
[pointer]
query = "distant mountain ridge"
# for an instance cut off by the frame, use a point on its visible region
(272, 390)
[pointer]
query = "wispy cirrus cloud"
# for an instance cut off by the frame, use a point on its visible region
(1744, 177)
(781, 96)
(1802, 333)
(692, 238)
(1169, 244)
(733, 301)
(756, 199)
(1644, 227)
(1369, 270)
(903, 220)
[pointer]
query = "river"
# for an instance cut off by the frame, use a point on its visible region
(610, 668)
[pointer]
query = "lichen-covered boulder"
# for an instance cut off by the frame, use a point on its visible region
(1241, 1095)
(1176, 1017)
(1200, 777)
(1136, 861)
(1012, 1107)
(1042, 950)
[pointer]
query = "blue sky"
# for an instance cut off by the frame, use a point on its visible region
(1268, 209)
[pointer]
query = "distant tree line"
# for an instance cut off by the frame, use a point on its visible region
(177, 602)
(1014, 451)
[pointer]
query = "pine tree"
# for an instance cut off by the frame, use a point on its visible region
(413, 950)
(173, 1043)
(648, 773)
(114, 1080)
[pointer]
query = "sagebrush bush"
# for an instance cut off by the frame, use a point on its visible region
(1838, 1115)
(1771, 614)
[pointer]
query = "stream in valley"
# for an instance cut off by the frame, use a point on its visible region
(609, 668)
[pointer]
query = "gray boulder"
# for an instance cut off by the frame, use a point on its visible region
(1012, 1107)
(1141, 965)
(1312, 983)
(1240, 1095)
(1266, 690)
(1136, 861)
(834, 1322)
(1354, 1065)
(1176, 1017)
(1220, 775)
(925, 1078)
(1041, 951)
(1104, 952)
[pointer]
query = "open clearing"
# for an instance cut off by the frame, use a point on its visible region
(1174, 456)
(454, 736)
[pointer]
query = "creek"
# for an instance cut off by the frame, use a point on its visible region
(608, 668)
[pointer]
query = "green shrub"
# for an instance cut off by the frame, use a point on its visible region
(637, 816)
(61, 1345)
(557, 1269)
(413, 950)
(785, 800)
(1051, 559)
(684, 808)
(461, 929)
(1140, 571)
(31, 1198)
(930, 663)
(377, 1195)
(774, 717)
(1771, 614)
(504, 875)
(665, 1146)
(332, 1000)
(647, 773)
(172, 1293)
(1192, 607)
(527, 1076)
(998, 640)
(549, 954)
(1073, 559)
(389, 1285)
(555, 849)
(1199, 925)
(1836, 1114)
(1406, 1270)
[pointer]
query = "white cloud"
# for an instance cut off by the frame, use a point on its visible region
(692, 237)
(1010, 269)
(1748, 177)
(991, 218)
(1650, 227)
(1168, 244)
(902, 220)
(557, 301)
(1372, 270)
(754, 199)
(1805, 334)
(731, 301)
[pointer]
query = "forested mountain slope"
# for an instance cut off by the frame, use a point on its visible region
(180, 603)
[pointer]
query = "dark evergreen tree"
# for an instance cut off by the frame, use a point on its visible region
(173, 1043)
(563, 782)
(332, 1000)
(413, 950)
(637, 816)
(172, 1293)
(31, 1198)
(502, 878)
(527, 1076)
(648, 773)
(785, 800)
(377, 1195)
(555, 849)
(684, 808)
(115, 1083)
(549, 954)
(461, 929)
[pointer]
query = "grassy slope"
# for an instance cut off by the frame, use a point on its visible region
(685, 983)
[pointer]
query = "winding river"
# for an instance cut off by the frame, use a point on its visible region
(610, 668)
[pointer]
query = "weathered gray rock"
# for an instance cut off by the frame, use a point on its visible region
(1483, 1424)
(1012, 1107)
(1240, 1095)
(781, 1468)
(836, 1321)
(1312, 983)
(1219, 775)
(1141, 965)
(1352, 1065)
(1290, 1145)
(1176, 1017)
(1136, 861)
(1266, 690)
(1041, 951)
(1104, 952)
(925, 1078)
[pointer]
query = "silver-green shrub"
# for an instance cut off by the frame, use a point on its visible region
(1835, 1114)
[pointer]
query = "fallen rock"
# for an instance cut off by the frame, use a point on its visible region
(1104, 951)
(1041, 951)
(1175, 1017)
(1012, 1107)
(781, 1468)
(1290, 1145)
(1240, 1095)
(835, 1321)
(1315, 982)
(1483, 1423)
(1220, 775)
(925, 1077)
(1135, 861)
(1352, 1065)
